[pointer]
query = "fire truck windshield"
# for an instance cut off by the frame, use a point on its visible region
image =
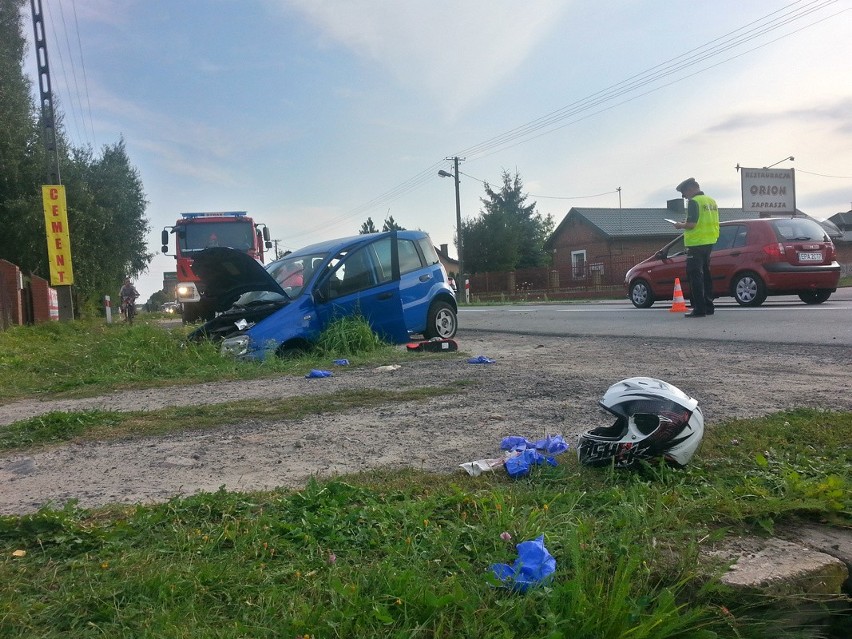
(197, 237)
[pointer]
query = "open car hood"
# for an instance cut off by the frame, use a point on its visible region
(226, 273)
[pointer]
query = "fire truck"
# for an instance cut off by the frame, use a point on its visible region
(195, 232)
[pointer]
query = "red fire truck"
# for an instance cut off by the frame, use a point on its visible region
(195, 232)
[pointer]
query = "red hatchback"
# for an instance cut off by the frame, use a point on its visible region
(751, 259)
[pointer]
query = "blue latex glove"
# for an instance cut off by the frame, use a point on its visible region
(481, 359)
(534, 566)
(318, 373)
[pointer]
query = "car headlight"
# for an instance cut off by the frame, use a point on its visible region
(235, 346)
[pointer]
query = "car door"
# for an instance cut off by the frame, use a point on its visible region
(358, 283)
(672, 266)
(727, 256)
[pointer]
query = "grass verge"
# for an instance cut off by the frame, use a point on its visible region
(60, 426)
(89, 357)
(407, 554)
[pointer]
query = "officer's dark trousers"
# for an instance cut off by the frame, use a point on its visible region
(700, 282)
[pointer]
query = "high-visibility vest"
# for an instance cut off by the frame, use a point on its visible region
(706, 230)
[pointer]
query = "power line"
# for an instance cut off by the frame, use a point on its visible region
(549, 197)
(556, 119)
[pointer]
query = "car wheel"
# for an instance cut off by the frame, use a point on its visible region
(441, 321)
(815, 297)
(641, 295)
(748, 289)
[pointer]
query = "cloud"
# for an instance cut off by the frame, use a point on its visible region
(456, 52)
(837, 115)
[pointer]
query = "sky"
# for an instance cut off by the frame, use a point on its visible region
(313, 115)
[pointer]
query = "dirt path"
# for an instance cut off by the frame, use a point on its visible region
(537, 385)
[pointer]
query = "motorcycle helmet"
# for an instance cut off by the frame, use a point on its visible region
(653, 419)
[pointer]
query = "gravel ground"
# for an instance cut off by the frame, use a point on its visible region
(538, 385)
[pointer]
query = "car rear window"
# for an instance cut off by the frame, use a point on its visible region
(797, 229)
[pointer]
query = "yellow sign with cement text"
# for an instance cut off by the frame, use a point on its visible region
(58, 239)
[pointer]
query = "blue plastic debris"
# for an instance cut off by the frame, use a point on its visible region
(341, 362)
(552, 444)
(534, 566)
(519, 466)
(528, 455)
(318, 373)
(480, 359)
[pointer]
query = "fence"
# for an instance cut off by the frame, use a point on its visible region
(25, 299)
(593, 279)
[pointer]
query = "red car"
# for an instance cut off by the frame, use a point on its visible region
(751, 260)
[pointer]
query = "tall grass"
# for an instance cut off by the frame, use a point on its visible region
(87, 357)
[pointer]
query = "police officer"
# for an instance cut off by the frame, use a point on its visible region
(700, 232)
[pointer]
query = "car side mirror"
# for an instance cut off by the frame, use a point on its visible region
(660, 255)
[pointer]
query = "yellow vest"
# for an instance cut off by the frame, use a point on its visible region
(706, 230)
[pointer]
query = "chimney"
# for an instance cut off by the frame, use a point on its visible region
(675, 205)
(444, 250)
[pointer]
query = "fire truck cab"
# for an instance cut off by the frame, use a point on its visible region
(195, 232)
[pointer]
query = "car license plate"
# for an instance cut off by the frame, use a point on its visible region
(810, 257)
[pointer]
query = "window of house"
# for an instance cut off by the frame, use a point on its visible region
(578, 265)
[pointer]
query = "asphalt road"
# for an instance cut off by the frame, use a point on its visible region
(779, 320)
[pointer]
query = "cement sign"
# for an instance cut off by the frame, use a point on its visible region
(769, 190)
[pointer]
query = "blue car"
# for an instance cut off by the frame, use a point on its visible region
(393, 280)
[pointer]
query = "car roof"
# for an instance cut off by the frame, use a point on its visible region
(329, 246)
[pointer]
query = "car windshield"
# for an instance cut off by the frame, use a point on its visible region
(237, 234)
(292, 273)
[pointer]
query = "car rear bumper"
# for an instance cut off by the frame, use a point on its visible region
(786, 277)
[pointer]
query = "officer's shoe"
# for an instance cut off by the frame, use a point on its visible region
(692, 314)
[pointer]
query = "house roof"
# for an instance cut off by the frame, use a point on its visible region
(843, 220)
(639, 223)
(635, 223)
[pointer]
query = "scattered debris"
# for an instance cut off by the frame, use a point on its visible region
(534, 566)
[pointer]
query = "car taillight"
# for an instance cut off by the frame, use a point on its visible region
(775, 251)
(829, 252)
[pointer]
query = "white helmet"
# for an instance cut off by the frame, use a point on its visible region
(653, 419)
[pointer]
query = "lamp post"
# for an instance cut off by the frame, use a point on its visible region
(791, 158)
(455, 175)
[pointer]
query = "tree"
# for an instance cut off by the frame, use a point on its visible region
(391, 225)
(368, 227)
(106, 201)
(508, 233)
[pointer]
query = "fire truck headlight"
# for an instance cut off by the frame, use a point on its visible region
(235, 346)
(186, 292)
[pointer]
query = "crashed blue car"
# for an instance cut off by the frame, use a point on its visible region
(393, 280)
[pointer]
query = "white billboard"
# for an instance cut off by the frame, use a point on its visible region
(769, 191)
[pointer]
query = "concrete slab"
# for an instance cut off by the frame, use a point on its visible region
(778, 567)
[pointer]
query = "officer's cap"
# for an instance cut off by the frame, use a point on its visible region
(686, 184)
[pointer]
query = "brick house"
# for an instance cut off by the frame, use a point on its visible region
(597, 246)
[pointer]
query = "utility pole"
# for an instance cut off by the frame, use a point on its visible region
(455, 175)
(53, 195)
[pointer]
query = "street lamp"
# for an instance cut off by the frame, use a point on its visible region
(791, 158)
(455, 176)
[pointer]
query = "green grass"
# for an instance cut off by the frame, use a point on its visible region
(407, 554)
(60, 426)
(89, 357)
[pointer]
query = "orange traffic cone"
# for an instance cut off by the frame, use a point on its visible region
(678, 305)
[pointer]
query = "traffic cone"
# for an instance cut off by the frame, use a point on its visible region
(678, 305)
